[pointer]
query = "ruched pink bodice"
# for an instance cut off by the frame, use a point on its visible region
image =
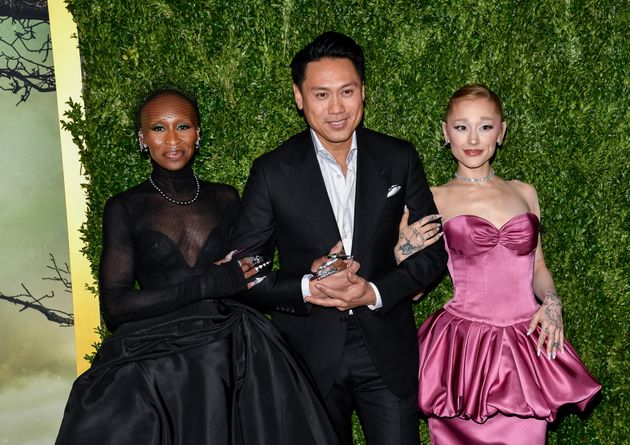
(476, 359)
(490, 265)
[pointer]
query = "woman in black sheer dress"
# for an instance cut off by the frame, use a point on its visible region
(184, 365)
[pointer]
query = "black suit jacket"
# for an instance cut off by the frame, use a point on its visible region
(285, 207)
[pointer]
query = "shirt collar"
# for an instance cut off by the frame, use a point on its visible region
(321, 150)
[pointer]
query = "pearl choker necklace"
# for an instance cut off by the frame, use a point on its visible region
(467, 179)
(174, 201)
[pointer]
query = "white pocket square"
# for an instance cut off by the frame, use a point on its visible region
(393, 190)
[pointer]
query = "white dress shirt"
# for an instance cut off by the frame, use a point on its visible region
(341, 191)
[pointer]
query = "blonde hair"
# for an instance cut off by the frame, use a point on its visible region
(474, 91)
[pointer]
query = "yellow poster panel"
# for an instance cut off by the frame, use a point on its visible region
(68, 79)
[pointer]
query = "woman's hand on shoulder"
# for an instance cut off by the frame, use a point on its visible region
(414, 237)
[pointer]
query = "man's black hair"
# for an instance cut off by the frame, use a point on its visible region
(331, 45)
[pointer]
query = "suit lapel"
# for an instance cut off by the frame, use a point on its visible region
(306, 185)
(371, 192)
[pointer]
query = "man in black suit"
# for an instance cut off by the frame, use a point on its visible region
(335, 181)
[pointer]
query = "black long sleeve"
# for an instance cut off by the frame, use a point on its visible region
(169, 249)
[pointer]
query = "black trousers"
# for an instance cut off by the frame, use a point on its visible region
(386, 419)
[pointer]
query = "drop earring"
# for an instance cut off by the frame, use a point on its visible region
(144, 148)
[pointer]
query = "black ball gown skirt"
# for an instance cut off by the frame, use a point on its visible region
(209, 373)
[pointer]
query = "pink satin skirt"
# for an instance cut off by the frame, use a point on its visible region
(496, 430)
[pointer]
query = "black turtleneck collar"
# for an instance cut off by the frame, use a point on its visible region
(177, 181)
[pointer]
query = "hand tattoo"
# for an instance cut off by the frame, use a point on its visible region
(408, 248)
(553, 309)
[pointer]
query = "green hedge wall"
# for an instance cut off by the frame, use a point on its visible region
(562, 69)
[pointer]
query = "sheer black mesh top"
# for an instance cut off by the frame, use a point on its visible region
(170, 249)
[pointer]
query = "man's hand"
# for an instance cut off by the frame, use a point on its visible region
(338, 281)
(315, 265)
(317, 262)
(343, 290)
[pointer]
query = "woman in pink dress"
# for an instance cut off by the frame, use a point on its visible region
(494, 364)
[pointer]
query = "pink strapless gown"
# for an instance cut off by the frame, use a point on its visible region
(478, 367)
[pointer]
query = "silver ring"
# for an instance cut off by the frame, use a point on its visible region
(256, 259)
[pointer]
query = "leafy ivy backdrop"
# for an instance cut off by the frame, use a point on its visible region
(561, 67)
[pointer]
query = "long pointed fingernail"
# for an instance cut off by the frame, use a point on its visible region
(262, 266)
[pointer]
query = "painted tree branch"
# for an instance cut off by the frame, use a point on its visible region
(25, 53)
(25, 9)
(60, 275)
(27, 300)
